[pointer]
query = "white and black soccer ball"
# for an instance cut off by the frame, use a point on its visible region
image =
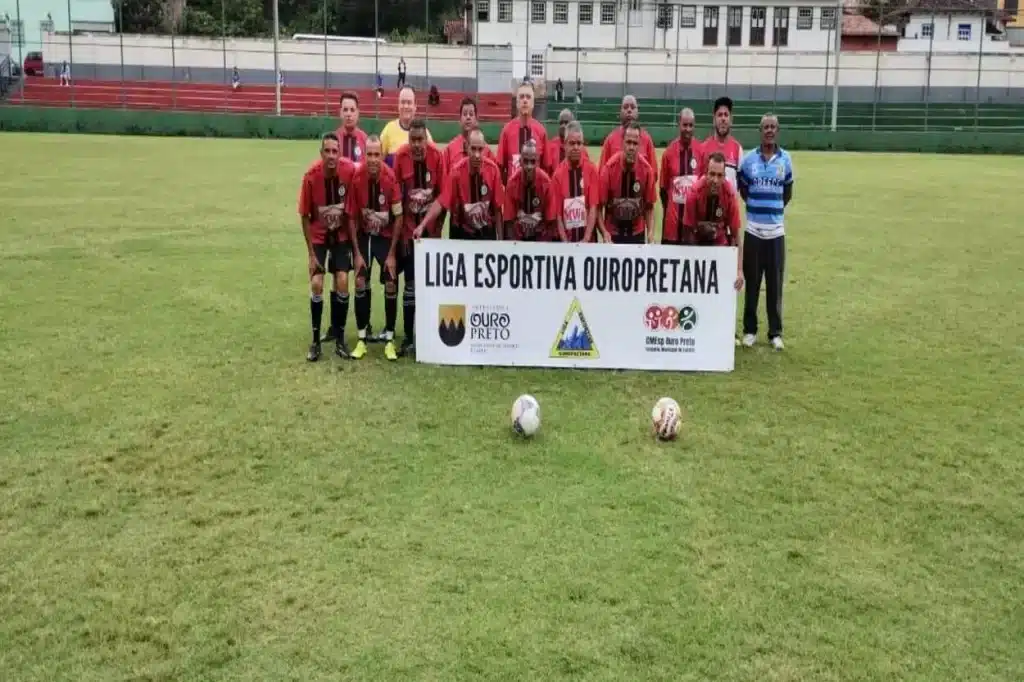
(667, 419)
(526, 415)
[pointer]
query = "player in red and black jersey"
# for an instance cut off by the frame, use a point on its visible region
(628, 192)
(679, 170)
(473, 194)
(327, 232)
(712, 213)
(576, 191)
(375, 207)
(351, 137)
(517, 131)
(419, 169)
(528, 209)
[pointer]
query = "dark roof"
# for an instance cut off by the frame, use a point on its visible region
(951, 6)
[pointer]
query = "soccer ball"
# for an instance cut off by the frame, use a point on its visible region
(525, 415)
(666, 417)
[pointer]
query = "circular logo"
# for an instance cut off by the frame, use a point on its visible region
(357, 151)
(536, 201)
(581, 183)
(718, 212)
(380, 199)
(687, 318)
(693, 164)
(652, 317)
(483, 190)
(341, 190)
(636, 186)
(426, 176)
(669, 318)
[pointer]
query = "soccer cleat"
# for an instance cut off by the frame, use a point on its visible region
(341, 350)
(314, 353)
(376, 338)
(777, 343)
(389, 350)
(749, 340)
(331, 335)
(359, 351)
(408, 348)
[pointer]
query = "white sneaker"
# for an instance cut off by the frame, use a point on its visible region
(749, 340)
(777, 343)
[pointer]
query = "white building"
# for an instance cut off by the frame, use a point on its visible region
(533, 26)
(953, 26)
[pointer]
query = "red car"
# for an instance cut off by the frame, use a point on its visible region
(34, 64)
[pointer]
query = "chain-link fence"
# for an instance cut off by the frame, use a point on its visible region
(929, 68)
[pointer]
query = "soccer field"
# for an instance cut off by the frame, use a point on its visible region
(183, 497)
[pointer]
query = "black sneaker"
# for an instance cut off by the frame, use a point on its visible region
(408, 348)
(331, 335)
(374, 338)
(314, 353)
(341, 350)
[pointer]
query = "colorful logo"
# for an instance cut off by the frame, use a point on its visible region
(574, 339)
(669, 318)
(451, 326)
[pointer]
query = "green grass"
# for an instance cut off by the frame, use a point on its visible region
(183, 497)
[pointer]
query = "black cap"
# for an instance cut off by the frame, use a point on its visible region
(722, 102)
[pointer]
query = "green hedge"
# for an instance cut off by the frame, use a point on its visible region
(194, 124)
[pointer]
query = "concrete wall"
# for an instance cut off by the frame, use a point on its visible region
(947, 37)
(696, 73)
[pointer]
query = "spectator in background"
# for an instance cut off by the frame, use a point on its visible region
(579, 91)
(434, 97)
(65, 74)
(559, 90)
(380, 85)
(280, 78)
(401, 73)
(236, 79)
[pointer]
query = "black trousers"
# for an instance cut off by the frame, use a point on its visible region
(763, 258)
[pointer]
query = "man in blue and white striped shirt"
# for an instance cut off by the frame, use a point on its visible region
(765, 180)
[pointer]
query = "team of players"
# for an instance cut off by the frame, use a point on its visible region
(366, 201)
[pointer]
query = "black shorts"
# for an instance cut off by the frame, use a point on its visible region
(486, 234)
(628, 238)
(376, 249)
(673, 242)
(333, 258)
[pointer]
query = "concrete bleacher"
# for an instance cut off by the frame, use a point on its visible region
(215, 97)
(814, 115)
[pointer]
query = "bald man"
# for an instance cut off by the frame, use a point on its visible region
(396, 133)
(629, 113)
(555, 154)
(679, 169)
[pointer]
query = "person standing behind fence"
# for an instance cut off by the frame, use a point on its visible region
(679, 171)
(766, 185)
(629, 113)
(722, 141)
(518, 131)
(401, 72)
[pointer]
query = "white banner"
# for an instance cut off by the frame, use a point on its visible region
(575, 305)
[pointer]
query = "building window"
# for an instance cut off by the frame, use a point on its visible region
(586, 12)
(927, 30)
(607, 13)
(734, 32)
(664, 16)
(537, 64)
(710, 26)
(757, 22)
(963, 32)
(46, 26)
(17, 33)
(483, 10)
(804, 18)
(828, 18)
(560, 13)
(538, 12)
(780, 26)
(505, 11)
(687, 16)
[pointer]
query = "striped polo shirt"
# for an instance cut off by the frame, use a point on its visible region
(765, 180)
